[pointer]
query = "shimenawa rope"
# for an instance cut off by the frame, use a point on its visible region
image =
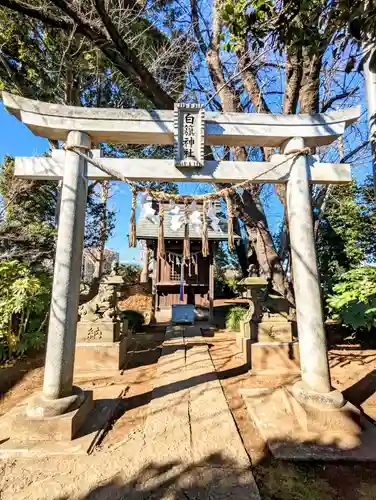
(162, 196)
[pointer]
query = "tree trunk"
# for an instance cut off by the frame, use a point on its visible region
(260, 239)
(294, 74)
(310, 90)
(250, 207)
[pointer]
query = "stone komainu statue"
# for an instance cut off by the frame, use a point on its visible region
(101, 307)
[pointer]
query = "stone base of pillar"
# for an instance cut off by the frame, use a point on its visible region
(296, 431)
(325, 401)
(100, 356)
(56, 428)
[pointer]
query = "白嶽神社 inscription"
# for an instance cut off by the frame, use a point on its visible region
(189, 130)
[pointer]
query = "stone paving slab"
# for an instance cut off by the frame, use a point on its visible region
(213, 429)
(167, 430)
(190, 428)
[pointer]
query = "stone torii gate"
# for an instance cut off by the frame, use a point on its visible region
(81, 127)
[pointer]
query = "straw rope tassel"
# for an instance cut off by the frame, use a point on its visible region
(132, 222)
(230, 223)
(187, 246)
(205, 241)
(161, 242)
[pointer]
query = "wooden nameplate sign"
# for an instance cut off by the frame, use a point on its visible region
(189, 135)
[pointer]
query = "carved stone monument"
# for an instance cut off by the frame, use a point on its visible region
(254, 289)
(101, 337)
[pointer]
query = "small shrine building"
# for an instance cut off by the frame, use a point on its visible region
(171, 270)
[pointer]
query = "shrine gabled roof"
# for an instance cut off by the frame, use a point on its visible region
(147, 229)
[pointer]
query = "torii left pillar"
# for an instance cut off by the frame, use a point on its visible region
(59, 397)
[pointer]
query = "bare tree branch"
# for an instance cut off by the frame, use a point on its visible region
(328, 104)
(214, 62)
(39, 14)
(125, 60)
(354, 151)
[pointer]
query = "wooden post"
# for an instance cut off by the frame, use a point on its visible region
(157, 266)
(144, 278)
(154, 281)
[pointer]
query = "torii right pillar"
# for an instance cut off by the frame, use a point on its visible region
(314, 388)
(370, 83)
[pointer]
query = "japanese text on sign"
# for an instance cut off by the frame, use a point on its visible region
(189, 135)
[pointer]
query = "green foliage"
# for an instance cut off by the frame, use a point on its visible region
(27, 225)
(232, 283)
(233, 317)
(24, 300)
(130, 273)
(100, 220)
(346, 237)
(221, 287)
(46, 63)
(28, 219)
(354, 298)
(294, 25)
(247, 16)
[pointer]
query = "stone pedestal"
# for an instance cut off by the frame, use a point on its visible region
(268, 345)
(244, 340)
(58, 428)
(101, 346)
(274, 357)
(275, 328)
(101, 357)
(98, 331)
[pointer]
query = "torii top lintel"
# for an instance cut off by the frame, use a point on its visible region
(54, 121)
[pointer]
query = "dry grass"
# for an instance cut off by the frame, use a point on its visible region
(279, 480)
